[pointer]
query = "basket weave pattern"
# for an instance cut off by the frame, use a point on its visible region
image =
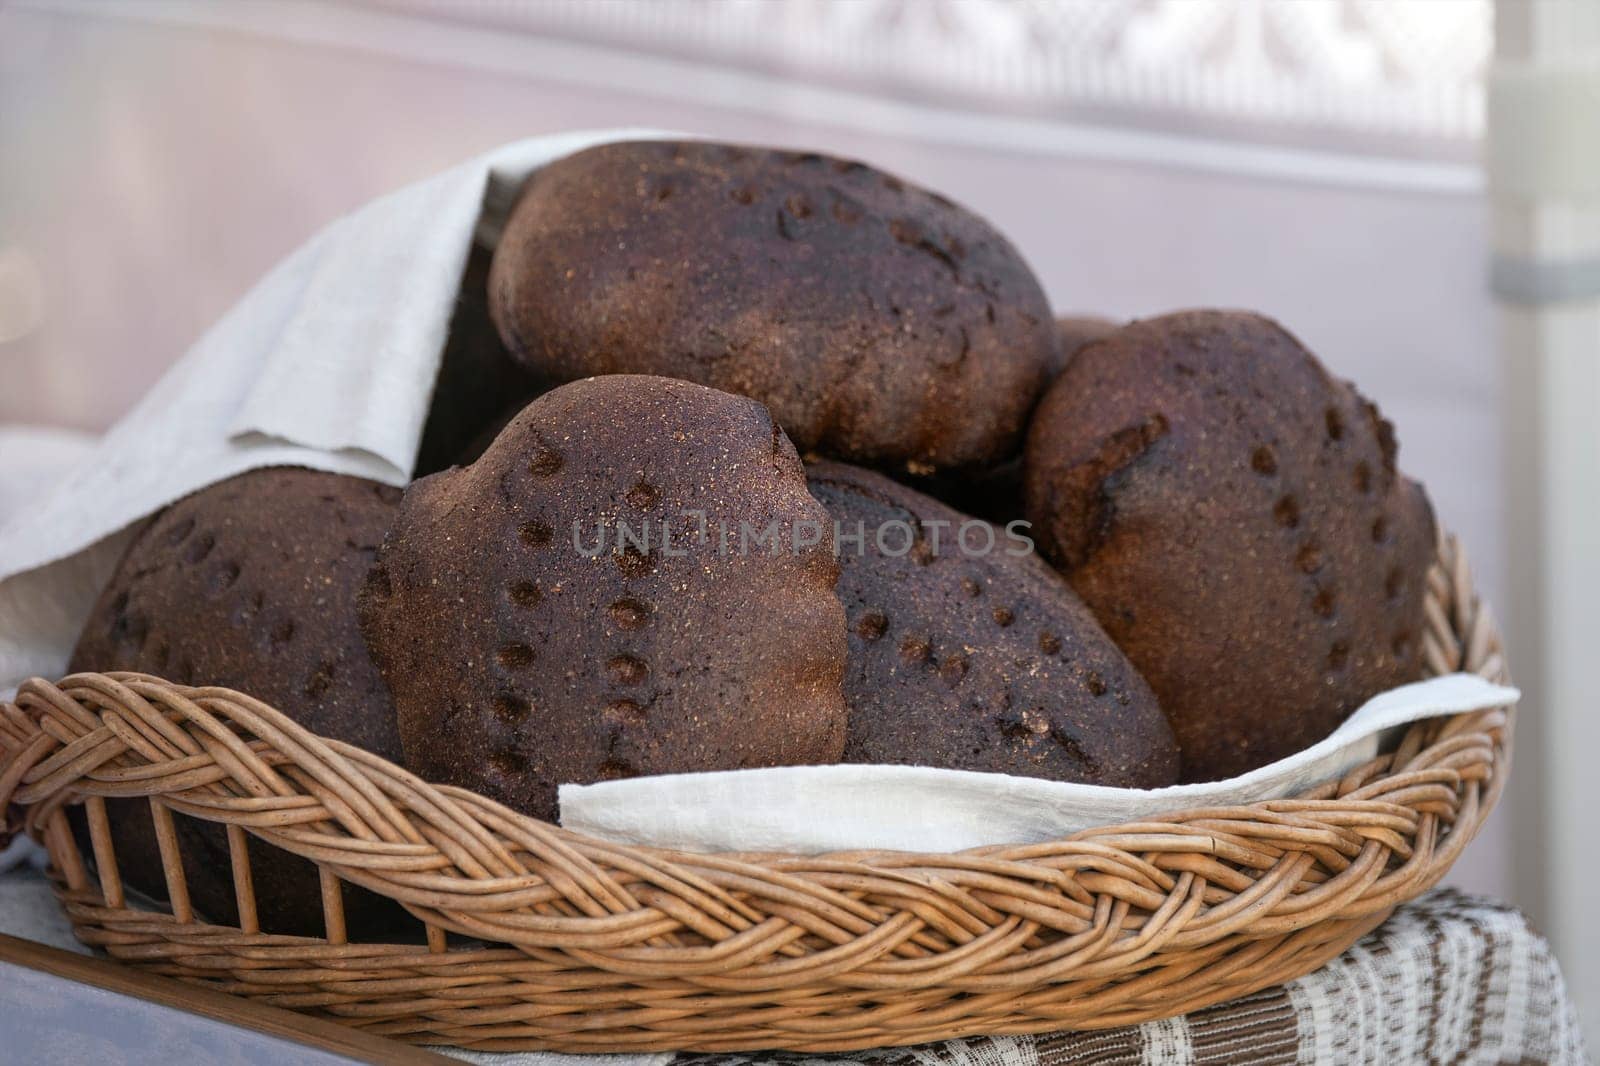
(598, 946)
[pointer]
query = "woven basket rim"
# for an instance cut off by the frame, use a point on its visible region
(615, 946)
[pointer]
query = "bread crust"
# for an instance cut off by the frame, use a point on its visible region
(1235, 518)
(879, 322)
(968, 652)
(519, 661)
(251, 584)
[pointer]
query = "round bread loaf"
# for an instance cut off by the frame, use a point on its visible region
(879, 322)
(536, 625)
(1234, 517)
(968, 652)
(251, 584)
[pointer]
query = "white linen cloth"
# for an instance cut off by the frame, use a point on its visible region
(812, 809)
(33, 459)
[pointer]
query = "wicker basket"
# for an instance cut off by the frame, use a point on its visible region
(582, 945)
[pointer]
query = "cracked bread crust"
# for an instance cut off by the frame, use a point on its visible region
(1234, 517)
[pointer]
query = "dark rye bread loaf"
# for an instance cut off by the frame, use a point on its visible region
(251, 584)
(1234, 517)
(479, 386)
(519, 662)
(879, 322)
(975, 659)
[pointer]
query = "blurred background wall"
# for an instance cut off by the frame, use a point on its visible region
(1316, 160)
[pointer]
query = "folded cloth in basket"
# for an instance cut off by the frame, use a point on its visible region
(809, 809)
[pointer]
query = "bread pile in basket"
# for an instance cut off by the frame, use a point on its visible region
(741, 457)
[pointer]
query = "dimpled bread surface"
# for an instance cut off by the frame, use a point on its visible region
(879, 322)
(968, 652)
(1234, 517)
(251, 584)
(521, 656)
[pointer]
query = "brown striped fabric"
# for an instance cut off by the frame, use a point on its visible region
(1450, 978)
